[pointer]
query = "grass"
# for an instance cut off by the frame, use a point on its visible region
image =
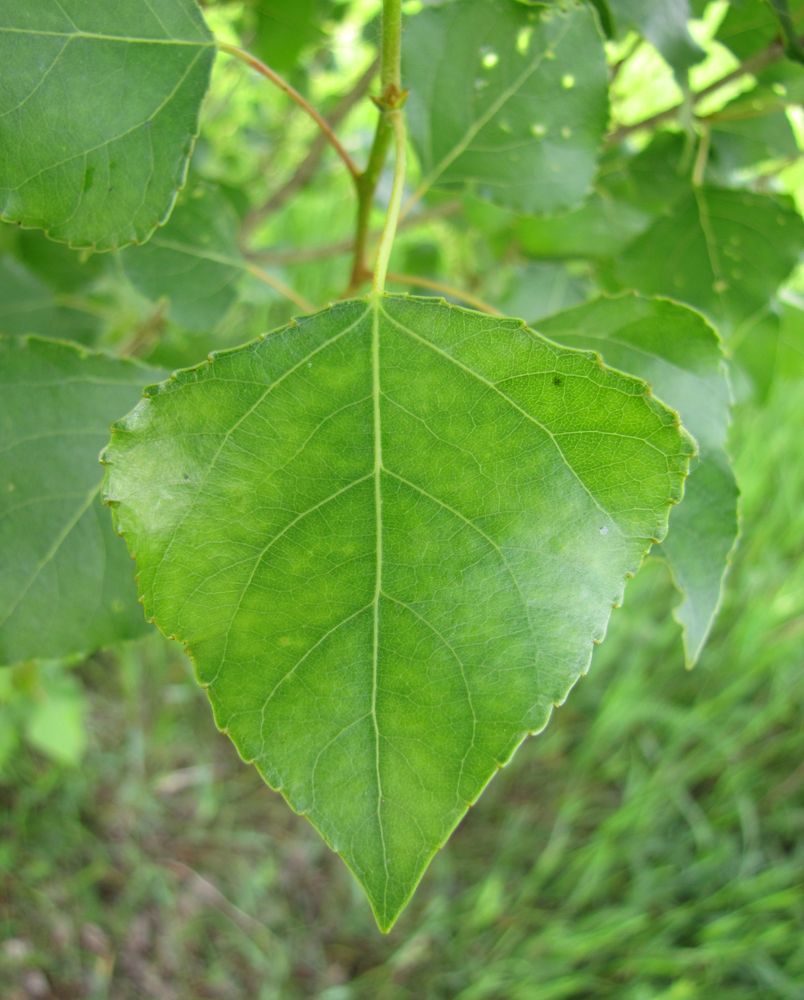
(647, 845)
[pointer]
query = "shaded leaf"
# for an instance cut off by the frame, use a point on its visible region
(282, 30)
(664, 24)
(65, 270)
(747, 133)
(28, 305)
(98, 112)
(519, 118)
(601, 227)
(193, 262)
(66, 582)
(749, 26)
(724, 251)
(678, 353)
(389, 535)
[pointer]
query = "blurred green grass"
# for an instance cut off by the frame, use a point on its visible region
(648, 845)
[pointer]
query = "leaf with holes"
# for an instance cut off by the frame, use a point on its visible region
(107, 97)
(389, 535)
(66, 582)
(520, 117)
(678, 353)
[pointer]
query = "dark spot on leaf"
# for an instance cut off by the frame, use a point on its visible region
(89, 176)
(558, 380)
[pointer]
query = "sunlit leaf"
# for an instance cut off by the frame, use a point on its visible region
(389, 536)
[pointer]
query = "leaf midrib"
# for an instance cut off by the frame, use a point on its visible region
(98, 36)
(376, 394)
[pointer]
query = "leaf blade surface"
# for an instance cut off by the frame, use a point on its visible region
(388, 536)
(98, 115)
(520, 117)
(676, 351)
(62, 565)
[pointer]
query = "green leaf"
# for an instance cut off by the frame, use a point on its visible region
(98, 113)
(66, 582)
(540, 288)
(55, 721)
(282, 30)
(601, 227)
(664, 24)
(769, 347)
(519, 116)
(28, 305)
(194, 261)
(389, 535)
(64, 270)
(749, 26)
(749, 132)
(678, 353)
(725, 252)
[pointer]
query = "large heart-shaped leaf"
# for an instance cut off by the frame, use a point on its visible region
(66, 581)
(389, 535)
(678, 353)
(98, 112)
(519, 116)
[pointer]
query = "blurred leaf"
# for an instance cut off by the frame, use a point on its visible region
(56, 720)
(726, 252)
(107, 101)
(282, 30)
(676, 351)
(664, 24)
(66, 582)
(519, 118)
(538, 289)
(751, 25)
(770, 346)
(28, 305)
(389, 535)
(193, 262)
(601, 227)
(748, 132)
(65, 270)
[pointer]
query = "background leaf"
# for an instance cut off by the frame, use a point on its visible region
(678, 353)
(519, 118)
(66, 582)
(724, 251)
(107, 98)
(193, 262)
(389, 536)
(28, 305)
(664, 24)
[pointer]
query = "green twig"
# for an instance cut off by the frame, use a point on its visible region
(390, 101)
(397, 123)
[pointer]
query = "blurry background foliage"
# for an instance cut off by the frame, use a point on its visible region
(648, 845)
